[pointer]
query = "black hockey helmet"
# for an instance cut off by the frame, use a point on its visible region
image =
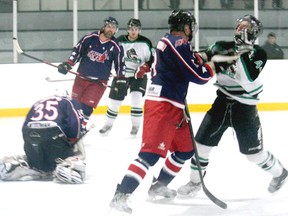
(248, 36)
(112, 21)
(134, 23)
(179, 18)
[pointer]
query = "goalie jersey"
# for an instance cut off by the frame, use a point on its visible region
(175, 65)
(57, 111)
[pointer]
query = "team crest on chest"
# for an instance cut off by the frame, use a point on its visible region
(96, 56)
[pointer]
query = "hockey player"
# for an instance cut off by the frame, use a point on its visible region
(138, 59)
(51, 134)
(96, 53)
(164, 129)
(235, 106)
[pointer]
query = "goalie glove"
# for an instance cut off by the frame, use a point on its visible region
(141, 70)
(70, 171)
(64, 67)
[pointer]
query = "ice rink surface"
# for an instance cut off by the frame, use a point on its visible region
(230, 177)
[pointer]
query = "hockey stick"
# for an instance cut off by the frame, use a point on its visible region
(84, 134)
(21, 52)
(214, 199)
(48, 79)
(80, 144)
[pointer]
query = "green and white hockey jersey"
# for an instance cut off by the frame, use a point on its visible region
(241, 80)
(136, 53)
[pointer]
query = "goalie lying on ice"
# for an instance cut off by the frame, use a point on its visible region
(16, 168)
(53, 148)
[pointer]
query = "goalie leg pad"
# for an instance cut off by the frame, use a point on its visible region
(70, 171)
(16, 168)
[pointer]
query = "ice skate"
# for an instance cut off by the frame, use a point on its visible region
(119, 204)
(134, 130)
(278, 182)
(105, 130)
(160, 191)
(189, 190)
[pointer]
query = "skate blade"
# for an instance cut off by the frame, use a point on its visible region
(104, 134)
(159, 199)
(115, 212)
(279, 189)
(185, 197)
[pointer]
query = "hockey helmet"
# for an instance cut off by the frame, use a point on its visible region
(134, 23)
(250, 34)
(111, 21)
(179, 18)
(61, 92)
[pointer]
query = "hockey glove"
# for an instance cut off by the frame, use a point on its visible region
(244, 49)
(220, 48)
(222, 63)
(64, 67)
(141, 70)
(121, 84)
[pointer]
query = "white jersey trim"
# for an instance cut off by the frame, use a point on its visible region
(174, 103)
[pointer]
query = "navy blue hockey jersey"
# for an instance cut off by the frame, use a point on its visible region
(56, 111)
(96, 57)
(175, 65)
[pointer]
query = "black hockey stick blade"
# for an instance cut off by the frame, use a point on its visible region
(214, 199)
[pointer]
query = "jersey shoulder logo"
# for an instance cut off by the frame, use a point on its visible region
(258, 64)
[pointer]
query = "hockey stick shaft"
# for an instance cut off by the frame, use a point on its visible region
(21, 52)
(80, 144)
(214, 199)
(84, 134)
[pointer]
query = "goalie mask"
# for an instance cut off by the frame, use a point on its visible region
(248, 28)
(179, 18)
(61, 93)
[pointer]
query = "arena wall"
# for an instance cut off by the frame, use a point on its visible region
(23, 84)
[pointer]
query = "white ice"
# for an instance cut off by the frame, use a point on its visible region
(230, 177)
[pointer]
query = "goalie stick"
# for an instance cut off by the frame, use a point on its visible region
(80, 144)
(84, 134)
(214, 199)
(21, 52)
